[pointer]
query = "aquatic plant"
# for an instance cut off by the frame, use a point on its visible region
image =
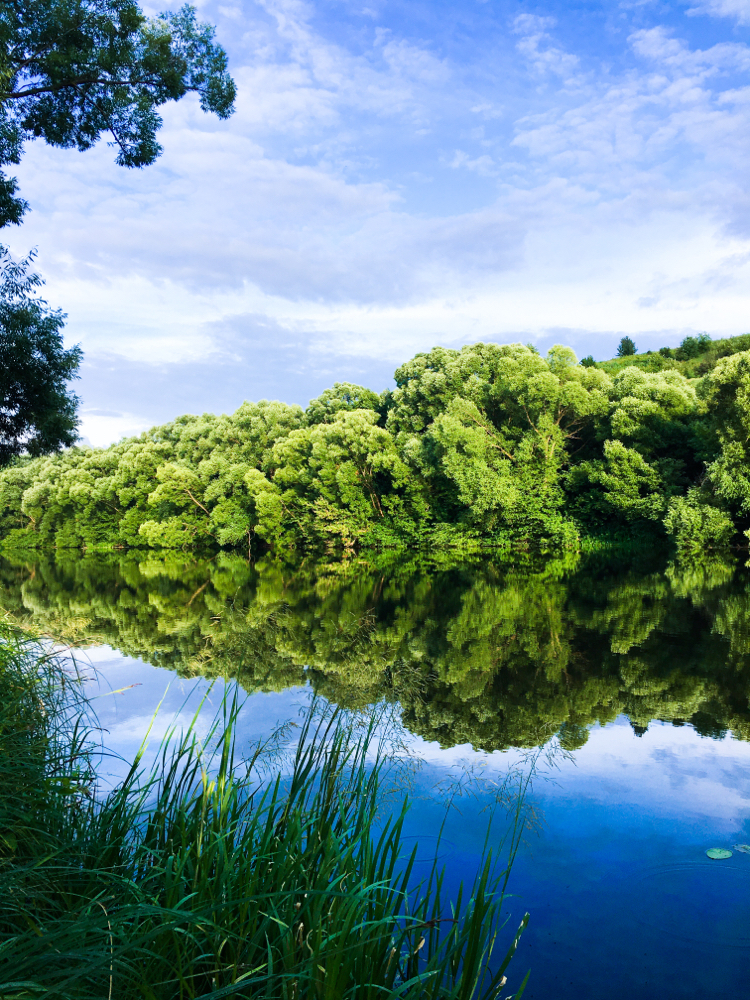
(205, 876)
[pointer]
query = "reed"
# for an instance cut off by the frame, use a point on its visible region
(204, 877)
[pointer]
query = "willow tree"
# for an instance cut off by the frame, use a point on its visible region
(719, 507)
(490, 428)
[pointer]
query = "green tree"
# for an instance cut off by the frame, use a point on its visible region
(725, 393)
(338, 483)
(626, 348)
(698, 524)
(646, 451)
(489, 444)
(71, 70)
(692, 347)
(343, 396)
(490, 428)
(37, 409)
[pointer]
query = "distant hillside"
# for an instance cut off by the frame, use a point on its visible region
(694, 357)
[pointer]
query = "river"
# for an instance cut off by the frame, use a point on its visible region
(621, 681)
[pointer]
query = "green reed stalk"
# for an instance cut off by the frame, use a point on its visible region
(199, 879)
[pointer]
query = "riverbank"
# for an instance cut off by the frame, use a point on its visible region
(206, 878)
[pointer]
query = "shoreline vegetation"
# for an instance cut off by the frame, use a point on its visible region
(484, 447)
(208, 877)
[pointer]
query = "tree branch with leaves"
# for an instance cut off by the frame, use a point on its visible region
(73, 70)
(37, 409)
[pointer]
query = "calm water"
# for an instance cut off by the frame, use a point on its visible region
(631, 675)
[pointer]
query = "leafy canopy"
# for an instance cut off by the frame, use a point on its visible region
(487, 444)
(71, 70)
(37, 410)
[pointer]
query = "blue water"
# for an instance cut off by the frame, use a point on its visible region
(623, 900)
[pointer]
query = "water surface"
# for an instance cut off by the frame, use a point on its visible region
(630, 674)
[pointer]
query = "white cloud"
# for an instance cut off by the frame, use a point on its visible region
(635, 132)
(99, 428)
(483, 165)
(409, 62)
(659, 45)
(738, 10)
(535, 44)
(369, 201)
(216, 213)
(488, 110)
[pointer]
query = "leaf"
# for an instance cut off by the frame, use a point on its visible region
(742, 848)
(9, 840)
(718, 853)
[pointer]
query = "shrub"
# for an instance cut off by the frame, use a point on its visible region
(696, 524)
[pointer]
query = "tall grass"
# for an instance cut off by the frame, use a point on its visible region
(204, 878)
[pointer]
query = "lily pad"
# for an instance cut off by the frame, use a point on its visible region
(718, 853)
(743, 848)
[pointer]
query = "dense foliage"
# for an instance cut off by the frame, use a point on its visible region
(73, 69)
(480, 651)
(484, 445)
(37, 408)
(694, 357)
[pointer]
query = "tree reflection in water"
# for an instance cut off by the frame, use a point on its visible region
(478, 652)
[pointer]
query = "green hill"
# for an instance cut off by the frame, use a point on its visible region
(694, 357)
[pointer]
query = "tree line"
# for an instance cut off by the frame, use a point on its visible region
(484, 445)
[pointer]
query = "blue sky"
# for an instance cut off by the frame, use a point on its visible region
(400, 175)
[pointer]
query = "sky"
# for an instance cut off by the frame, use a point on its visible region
(401, 174)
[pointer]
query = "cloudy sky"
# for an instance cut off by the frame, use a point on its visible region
(401, 174)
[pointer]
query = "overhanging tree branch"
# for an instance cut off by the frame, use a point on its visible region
(71, 70)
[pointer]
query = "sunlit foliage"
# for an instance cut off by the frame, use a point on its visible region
(71, 70)
(484, 446)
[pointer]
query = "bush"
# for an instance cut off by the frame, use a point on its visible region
(696, 524)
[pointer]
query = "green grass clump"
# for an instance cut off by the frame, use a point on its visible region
(204, 878)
